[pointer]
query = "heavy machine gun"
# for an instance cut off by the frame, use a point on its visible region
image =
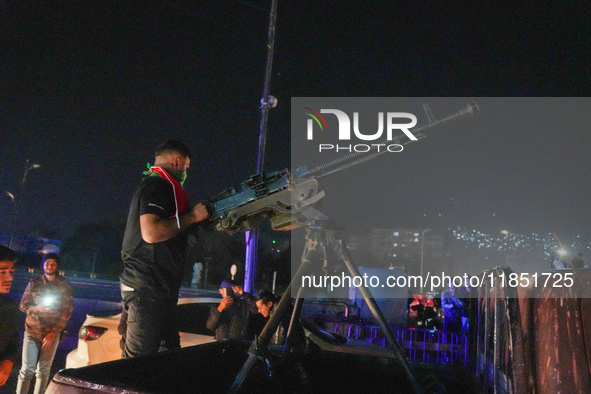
(286, 198)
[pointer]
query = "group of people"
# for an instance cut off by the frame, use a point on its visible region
(455, 305)
(162, 227)
(240, 315)
(562, 261)
(48, 303)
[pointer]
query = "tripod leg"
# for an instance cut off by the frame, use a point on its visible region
(266, 335)
(297, 310)
(344, 255)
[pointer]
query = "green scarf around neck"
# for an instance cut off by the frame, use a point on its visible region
(179, 176)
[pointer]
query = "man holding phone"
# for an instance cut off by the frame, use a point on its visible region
(232, 317)
(48, 302)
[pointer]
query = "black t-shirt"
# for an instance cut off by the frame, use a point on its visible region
(158, 266)
(9, 339)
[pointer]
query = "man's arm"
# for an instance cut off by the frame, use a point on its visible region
(213, 321)
(450, 303)
(5, 369)
(68, 306)
(446, 302)
(10, 354)
(27, 305)
(155, 229)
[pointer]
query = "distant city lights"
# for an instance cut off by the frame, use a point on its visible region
(508, 241)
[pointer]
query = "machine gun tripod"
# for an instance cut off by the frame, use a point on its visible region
(321, 235)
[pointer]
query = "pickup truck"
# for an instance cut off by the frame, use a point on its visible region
(327, 363)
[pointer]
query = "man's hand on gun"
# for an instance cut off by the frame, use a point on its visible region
(201, 212)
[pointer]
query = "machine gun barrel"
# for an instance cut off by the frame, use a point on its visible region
(286, 197)
(356, 158)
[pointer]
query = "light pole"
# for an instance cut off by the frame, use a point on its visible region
(423, 254)
(251, 237)
(16, 198)
(28, 167)
(13, 199)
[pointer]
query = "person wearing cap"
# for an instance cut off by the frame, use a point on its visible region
(159, 233)
(232, 318)
(9, 337)
(48, 302)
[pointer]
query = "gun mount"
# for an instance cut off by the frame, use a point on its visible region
(274, 195)
(286, 198)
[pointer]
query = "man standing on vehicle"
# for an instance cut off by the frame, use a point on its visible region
(48, 302)
(154, 248)
(8, 317)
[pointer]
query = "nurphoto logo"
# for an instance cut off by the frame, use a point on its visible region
(388, 123)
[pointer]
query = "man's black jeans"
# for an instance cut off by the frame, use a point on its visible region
(151, 323)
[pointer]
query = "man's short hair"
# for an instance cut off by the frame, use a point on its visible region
(173, 146)
(267, 296)
(7, 254)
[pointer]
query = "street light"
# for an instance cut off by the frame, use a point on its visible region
(422, 255)
(15, 201)
(27, 168)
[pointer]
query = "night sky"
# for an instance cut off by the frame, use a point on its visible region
(88, 89)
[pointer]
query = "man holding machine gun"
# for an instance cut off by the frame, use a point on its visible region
(155, 243)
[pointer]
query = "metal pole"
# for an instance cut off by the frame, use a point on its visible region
(16, 198)
(92, 274)
(206, 260)
(422, 252)
(267, 102)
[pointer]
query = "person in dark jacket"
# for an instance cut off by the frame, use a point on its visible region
(8, 317)
(233, 317)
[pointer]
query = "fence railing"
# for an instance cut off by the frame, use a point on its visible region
(418, 344)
